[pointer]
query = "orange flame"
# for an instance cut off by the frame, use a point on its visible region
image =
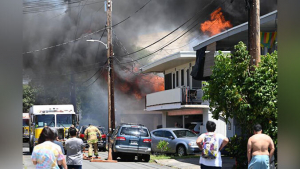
(137, 95)
(216, 24)
(157, 83)
(124, 88)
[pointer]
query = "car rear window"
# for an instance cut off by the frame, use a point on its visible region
(184, 133)
(134, 131)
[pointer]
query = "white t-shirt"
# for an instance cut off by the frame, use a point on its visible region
(217, 162)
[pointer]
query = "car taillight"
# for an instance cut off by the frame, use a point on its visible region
(147, 140)
(103, 136)
(121, 138)
(81, 135)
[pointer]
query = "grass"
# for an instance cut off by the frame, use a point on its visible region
(162, 157)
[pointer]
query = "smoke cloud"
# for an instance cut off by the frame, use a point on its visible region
(65, 22)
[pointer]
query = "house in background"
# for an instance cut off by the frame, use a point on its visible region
(181, 101)
(225, 41)
(184, 71)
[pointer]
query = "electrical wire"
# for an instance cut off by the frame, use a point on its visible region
(102, 70)
(74, 40)
(169, 42)
(170, 32)
(124, 68)
(53, 8)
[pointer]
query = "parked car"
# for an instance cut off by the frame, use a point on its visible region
(101, 142)
(130, 140)
(181, 141)
(194, 126)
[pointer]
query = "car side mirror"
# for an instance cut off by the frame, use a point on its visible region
(171, 137)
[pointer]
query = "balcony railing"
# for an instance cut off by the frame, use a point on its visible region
(182, 95)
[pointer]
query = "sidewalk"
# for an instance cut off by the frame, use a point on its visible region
(193, 163)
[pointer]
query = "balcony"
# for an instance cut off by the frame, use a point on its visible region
(177, 98)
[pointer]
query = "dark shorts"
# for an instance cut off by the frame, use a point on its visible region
(206, 167)
(74, 166)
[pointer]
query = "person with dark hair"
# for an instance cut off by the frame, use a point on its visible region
(72, 126)
(257, 149)
(211, 144)
(47, 154)
(74, 147)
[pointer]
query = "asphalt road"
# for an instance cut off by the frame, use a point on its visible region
(97, 165)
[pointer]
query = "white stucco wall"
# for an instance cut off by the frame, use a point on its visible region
(221, 126)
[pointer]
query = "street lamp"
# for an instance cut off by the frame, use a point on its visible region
(91, 40)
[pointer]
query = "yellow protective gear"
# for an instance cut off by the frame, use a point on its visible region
(91, 135)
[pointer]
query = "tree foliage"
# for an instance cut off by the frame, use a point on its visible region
(28, 97)
(247, 94)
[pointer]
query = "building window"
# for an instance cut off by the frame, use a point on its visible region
(188, 77)
(168, 81)
(182, 77)
(173, 80)
(177, 79)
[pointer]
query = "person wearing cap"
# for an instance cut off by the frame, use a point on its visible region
(91, 135)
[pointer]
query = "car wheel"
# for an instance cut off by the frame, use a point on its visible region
(181, 151)
(147, 157)
(114, 155)
(127, 157)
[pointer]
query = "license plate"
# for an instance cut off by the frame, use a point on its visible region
(133, 143)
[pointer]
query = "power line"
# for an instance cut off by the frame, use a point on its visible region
(71, 41)
(96, 56)
(170, 32)
(124, 68)
(102, 70)
(46, 9)
(168, 43)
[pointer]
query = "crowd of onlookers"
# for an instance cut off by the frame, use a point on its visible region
(49, 152)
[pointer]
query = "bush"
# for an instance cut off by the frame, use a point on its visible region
(163, 146)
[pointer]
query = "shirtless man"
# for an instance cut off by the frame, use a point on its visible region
(257, 148)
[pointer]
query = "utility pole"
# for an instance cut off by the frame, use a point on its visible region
(254, 31)
(111, 100)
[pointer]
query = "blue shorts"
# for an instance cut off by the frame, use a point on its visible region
(259, 162)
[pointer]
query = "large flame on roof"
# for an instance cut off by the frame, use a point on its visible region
(216, 24)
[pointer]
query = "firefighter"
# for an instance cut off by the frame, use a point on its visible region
(91, 135)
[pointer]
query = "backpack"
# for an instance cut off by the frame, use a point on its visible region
(210, 146)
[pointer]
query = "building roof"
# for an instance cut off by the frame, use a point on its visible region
(170, 61)
(268, 23)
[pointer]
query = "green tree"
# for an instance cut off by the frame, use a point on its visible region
(28, 97)
(249, 96)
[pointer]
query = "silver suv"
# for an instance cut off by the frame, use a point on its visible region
(130, 140)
